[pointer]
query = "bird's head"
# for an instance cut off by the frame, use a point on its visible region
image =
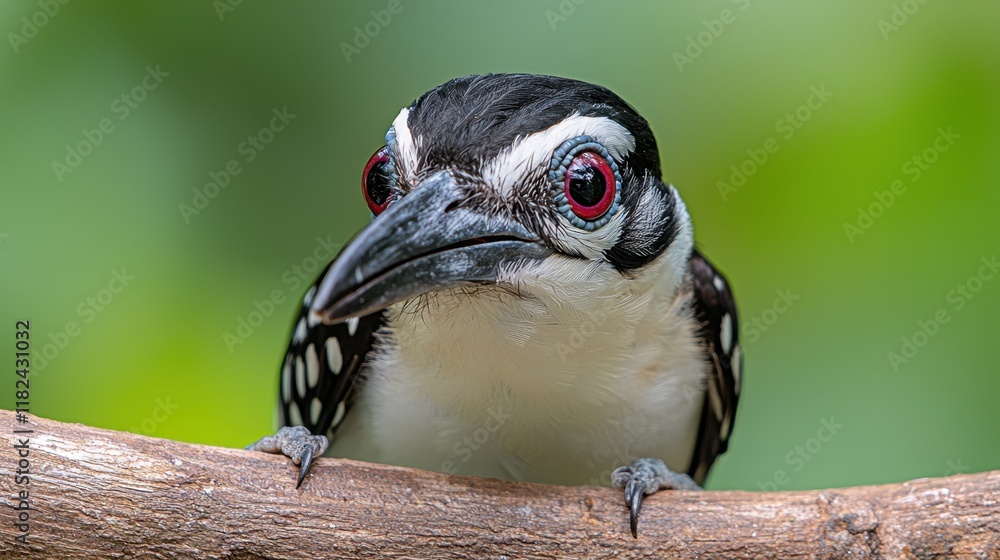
(486, 177)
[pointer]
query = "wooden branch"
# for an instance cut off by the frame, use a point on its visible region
(101, 494)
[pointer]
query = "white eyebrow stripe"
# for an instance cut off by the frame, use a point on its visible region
(406, 146)
(529, 152)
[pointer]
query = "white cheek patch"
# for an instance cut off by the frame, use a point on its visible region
(647, 214)
(589, 244)
(529, 153)
(406, 144)
(675, 258)
(680, 249)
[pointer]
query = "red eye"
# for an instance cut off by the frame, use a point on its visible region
(589, 185)
(377, 181)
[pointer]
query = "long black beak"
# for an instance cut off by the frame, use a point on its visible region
(424, 242)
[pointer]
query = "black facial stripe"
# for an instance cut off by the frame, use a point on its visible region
(637, 248)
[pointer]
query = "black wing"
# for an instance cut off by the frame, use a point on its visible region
(715, 311)
(322, 366)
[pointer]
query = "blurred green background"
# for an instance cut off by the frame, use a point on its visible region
(845, 95)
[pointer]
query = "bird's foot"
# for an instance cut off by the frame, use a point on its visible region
(642, 478)
(296, 443)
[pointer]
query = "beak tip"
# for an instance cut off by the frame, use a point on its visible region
(327, 304)
(417, 247)
(332, 312)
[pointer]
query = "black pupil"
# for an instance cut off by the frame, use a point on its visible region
(377, 183)
(587, 185)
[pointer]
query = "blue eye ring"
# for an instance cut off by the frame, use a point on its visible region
(566, 162)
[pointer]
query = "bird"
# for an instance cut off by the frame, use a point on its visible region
(527, 303)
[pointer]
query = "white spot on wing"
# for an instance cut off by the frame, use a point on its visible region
(300, 375)
(312, 365)
(352, 326)
(294, 416)
(717, 282)
(313, 318)
(724, 428)
(333, 357)
(309, 296)
(314, 409)
(338, 416)
(286, 380)
(736, 368)
(715, 400)
(726, 333)
(300, 331)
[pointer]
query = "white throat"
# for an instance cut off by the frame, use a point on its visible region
(571, 372)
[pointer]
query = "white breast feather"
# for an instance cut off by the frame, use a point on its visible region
(560, 384)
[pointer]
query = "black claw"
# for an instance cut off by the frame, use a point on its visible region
(306, 462)
(644, 477)
(636, 503)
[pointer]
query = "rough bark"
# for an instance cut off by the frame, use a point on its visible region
(101, 494)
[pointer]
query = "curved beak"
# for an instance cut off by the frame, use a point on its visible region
(426, 241)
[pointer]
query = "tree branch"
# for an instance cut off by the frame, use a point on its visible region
(101, 494)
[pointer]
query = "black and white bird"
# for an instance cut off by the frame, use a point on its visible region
(527, 303)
